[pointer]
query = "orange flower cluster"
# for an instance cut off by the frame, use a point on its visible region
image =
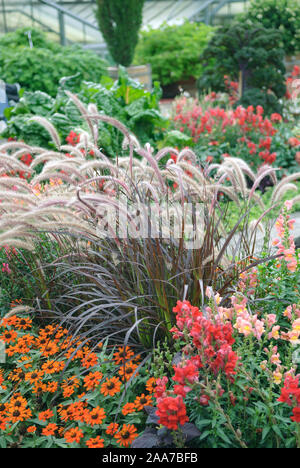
(87, 385)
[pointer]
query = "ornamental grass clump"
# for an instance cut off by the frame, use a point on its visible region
(126, 237)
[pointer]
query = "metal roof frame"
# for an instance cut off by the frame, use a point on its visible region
(68, 13)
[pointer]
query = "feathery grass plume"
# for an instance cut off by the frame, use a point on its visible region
(83, 111)
(282, 191)
(49, 127)
(17, 310)
(240, 178)
(47, 156)
(10, 163)
(283, 182)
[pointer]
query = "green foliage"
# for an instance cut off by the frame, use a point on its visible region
(233, 211)
(250, 53)
(124, 99)
(283, 15)
(173, 51)
(19, 38)
(174, 138)
(119, 22)
(41, 67)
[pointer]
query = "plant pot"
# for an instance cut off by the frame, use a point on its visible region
(140, 73)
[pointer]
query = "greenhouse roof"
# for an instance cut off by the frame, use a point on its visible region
(74, 21)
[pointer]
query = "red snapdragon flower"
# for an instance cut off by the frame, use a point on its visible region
(186, 373)
(172, 412)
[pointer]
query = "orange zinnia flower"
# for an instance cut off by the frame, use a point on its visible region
(3, 422)
(18, 414)
(44, 415)
(92, 380)
(128, 409)
(142, 401)
(34, 376)
(24, 323)
(9, 336)
(39, 387)
(31, 429)
(97, 442)
(27, 340)
(112, 428)
(126, 371)
(123, 355)
(52, 367)
(16, 375)
(111, 386)
(126, 435)
(73, 435)
(17, 403)
(151, 384)
(78, 411)
(90, 360)
(10, 321)
(52, 387)
(68, 391)
(50, 429)
(69, 385)
(71, 381)
(96, 416)
(49, 349)
(66, 414)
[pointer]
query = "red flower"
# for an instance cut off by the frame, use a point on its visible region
(186, 374)
(290, 391)
(73, 138)
(276, 117)
(171, 412)
(296, 413)
(27, 159)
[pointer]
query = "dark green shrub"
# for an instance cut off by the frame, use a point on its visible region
(119, 22)
(250, 54)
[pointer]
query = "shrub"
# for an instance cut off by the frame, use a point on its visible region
(41, 68)
(283, 15)
(173, 51)
(119, 22)
(20, 38)
(250, 54)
